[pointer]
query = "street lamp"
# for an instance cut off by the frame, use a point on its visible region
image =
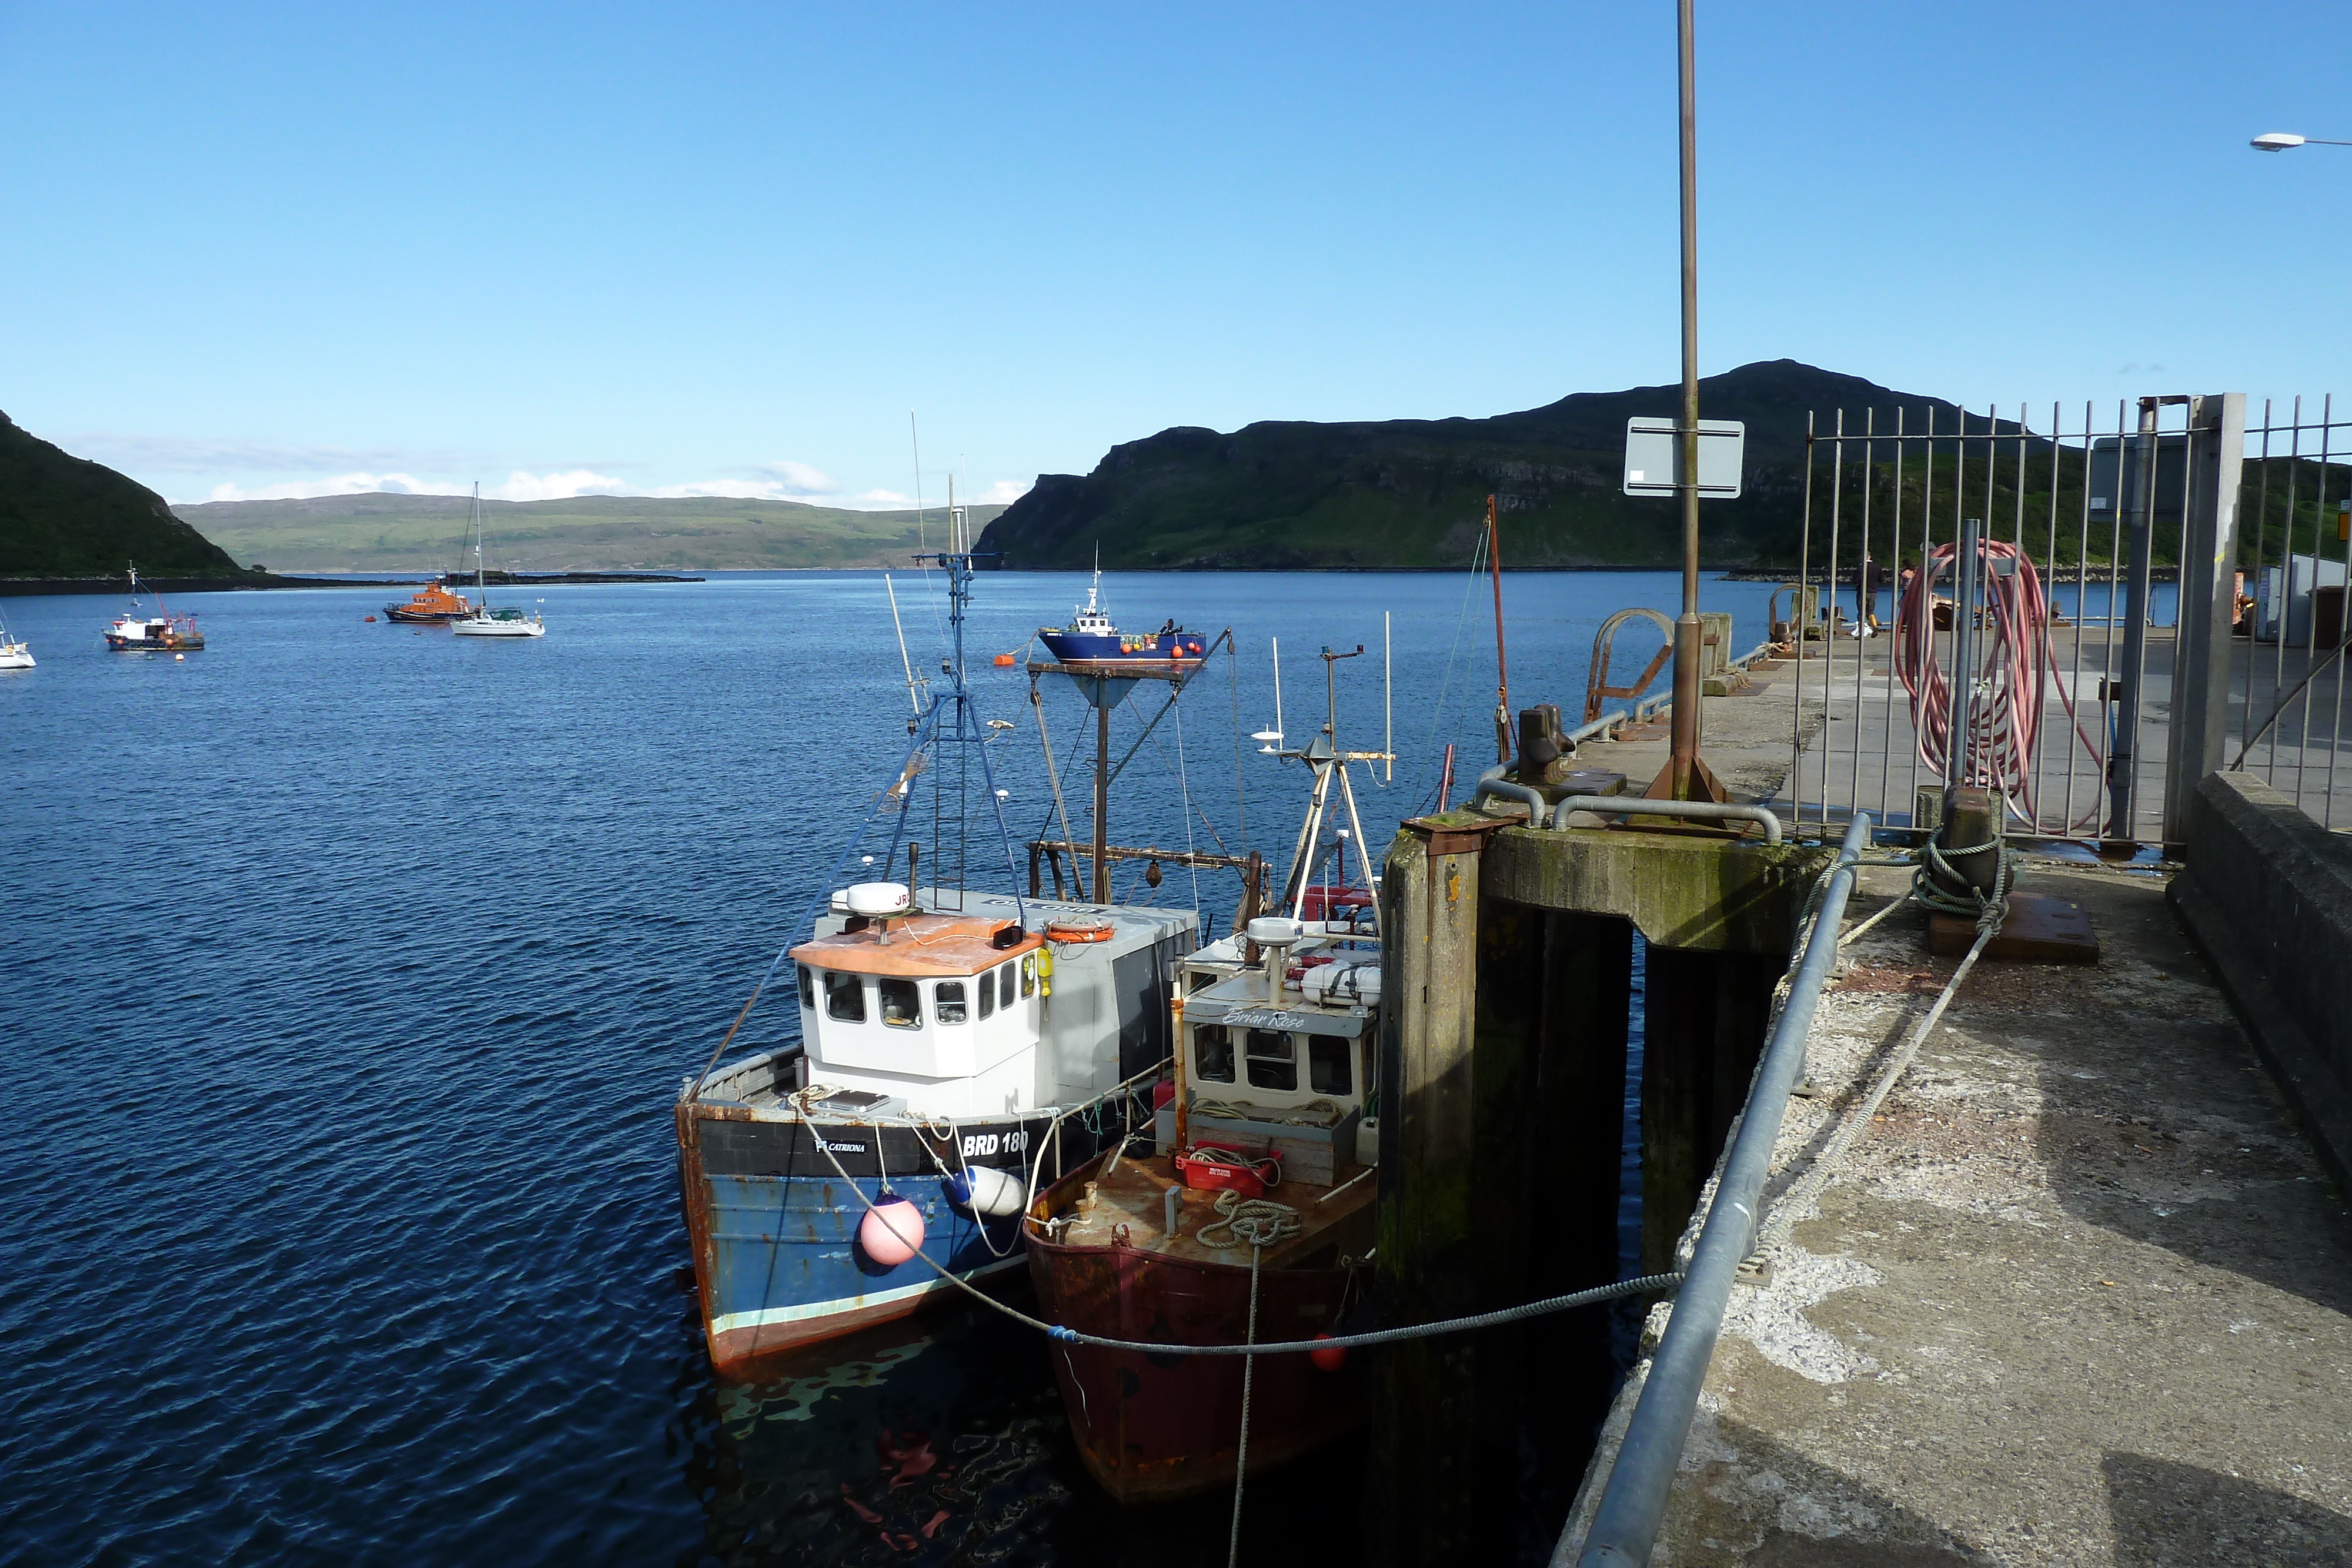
(2279, 141)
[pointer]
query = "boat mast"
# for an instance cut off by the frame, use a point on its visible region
(955, 705)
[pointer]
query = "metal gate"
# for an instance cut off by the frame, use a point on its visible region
(2125, 637)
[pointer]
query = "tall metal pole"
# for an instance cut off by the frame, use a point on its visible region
(1502, 670)
(1102, 791)
(1684, 759)
(2122, 778)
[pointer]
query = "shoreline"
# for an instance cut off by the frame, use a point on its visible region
(260, 581)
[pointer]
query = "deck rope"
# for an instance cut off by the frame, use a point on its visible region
(1260, 1221)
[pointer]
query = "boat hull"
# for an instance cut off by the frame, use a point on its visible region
(776, 1258)
(1178, 648)
(1153, 1428)
(473, 628)
(422, 617)
(15, 656)
(153, 644)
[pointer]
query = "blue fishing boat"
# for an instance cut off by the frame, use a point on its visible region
(957, 1049)
(1091, 639)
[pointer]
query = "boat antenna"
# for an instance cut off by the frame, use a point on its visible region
(914, 438)
(1275, 643)
(906, 663)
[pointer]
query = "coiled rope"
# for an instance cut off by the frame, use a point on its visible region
(1260, 1221)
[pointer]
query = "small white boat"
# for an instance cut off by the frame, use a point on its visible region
(499, 623)
(487, 621)
(14, 653)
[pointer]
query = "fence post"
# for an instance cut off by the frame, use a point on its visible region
(2201, 654)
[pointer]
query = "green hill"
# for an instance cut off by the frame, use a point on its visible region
(62, 515)
(387, 532)
(1412, 493)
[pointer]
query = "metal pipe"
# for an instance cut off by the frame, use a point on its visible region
(1601, 725)
(1102, 791)
(1625, 1526)
(1967, 562)
(1502, 670)
(1492, 782)
(1634, 806)
(2122, 765)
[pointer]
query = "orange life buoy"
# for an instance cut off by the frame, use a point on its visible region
(1076, 931)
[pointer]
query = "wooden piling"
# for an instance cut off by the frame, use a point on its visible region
(1424, 1439)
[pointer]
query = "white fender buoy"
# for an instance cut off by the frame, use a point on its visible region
(984, 1189)
(891, 1231)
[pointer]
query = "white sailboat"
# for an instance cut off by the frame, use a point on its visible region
(15, 653)
(487, 620)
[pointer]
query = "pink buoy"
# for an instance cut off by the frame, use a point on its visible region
(1330, 1360)
(891, 1231)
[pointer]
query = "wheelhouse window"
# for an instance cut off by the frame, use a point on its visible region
(808, 986)
(1028, 974)
(1328, 1066)
(987, 993)
(844, 996)
(1273, 1059)
(951, 1001)
(1005, 986)
(902, 1003)
(1213, 1053)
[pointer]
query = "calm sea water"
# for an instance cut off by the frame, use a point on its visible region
(351, 970)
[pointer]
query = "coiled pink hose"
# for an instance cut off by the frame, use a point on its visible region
(2017, 663)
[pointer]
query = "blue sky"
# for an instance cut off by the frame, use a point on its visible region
(274, 249)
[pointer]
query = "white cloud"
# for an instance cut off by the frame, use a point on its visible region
(522, 486)
(336, 485)
(784, 480)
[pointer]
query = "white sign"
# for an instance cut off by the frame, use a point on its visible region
(1650, 457)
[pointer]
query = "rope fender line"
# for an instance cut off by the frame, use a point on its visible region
(1648, 1284)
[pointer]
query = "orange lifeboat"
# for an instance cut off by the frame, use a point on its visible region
(433, 602)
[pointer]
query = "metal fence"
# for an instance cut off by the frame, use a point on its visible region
(2295, 539)
(2127, 635)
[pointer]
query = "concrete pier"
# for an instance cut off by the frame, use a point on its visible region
(2083, 1295)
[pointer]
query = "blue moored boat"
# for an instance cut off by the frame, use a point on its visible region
(955, 1048)
(1091, 639)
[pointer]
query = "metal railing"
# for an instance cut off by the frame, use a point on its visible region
(1625, 1523)
(2295, 545)
(2195, 564)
